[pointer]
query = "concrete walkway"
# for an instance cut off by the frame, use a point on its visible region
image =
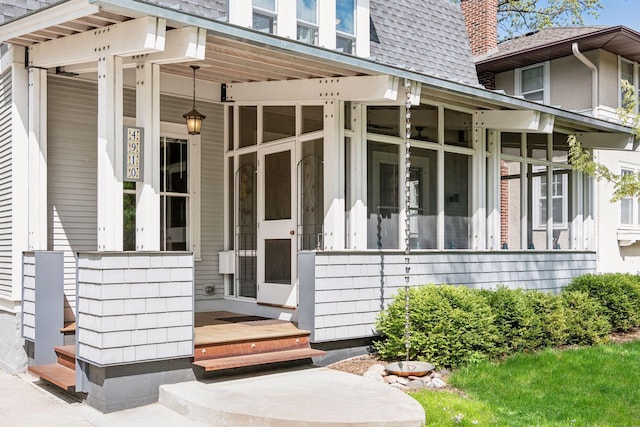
(312, 397)
(303, 398)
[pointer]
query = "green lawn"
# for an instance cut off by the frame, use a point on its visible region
(594, 386)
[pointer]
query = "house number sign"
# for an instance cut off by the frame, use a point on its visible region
(133, 150)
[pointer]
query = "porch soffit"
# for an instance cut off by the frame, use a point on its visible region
(238, 55)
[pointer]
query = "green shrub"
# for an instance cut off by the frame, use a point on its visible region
(450, 326)
(526, 320)
(619, 294)
(586, 323)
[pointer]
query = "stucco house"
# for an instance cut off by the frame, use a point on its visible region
(130, 238)
(579, 69)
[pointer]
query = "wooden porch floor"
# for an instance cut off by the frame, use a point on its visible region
(220, 327)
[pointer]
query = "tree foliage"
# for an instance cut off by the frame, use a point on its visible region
(624, 185)
(521, 16)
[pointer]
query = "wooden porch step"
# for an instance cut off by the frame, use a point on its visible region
(258, 359)
(57, 374)
(69, 328)
(249, 347)
(67, 356)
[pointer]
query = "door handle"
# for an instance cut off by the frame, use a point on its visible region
(292, 232)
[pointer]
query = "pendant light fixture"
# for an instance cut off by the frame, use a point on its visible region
(194, 118)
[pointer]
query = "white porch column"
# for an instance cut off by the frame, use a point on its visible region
(334, 214)
(478, 191)
(19, 164)
(110, 153)
(493, 192)
(358, 179)
(37, 148)
(148, 191)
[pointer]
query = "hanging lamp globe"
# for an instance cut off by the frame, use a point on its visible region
(194, 118)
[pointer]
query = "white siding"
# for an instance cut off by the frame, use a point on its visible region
(6, 181)
(72, 154)
(350, 289)
(72, 177)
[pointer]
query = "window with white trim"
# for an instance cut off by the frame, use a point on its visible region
(179, 203)
(345, 25)
(307, 17)
(629, 74)
(558, 193)
(264, 15)
(629, 206)
(532, 82)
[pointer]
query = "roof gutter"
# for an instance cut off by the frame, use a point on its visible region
(595, 101)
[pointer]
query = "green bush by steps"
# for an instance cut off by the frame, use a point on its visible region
(451, 326)
(618, 293)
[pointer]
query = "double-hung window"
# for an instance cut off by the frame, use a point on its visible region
(345, 25)
(532, 82)
(307, 17)
(179, 197)
(629, 216)
(628, 75)
(264, 15)
(558, 193)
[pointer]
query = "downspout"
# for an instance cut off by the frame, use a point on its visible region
(594, 77)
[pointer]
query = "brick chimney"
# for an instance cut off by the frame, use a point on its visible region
(481, 19)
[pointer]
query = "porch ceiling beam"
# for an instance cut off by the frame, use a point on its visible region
(181, 45)
(606, 141)
(514, 120)
(134, 37)
(383, 88)
(56, 15)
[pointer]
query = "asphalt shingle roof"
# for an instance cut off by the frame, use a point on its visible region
(428, 36)
(541, 38)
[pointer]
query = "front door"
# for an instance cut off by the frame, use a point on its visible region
(277, 243)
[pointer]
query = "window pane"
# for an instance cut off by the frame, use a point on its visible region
(311, 182)
(457, 173)
(423, 200)
(265, 4)
(277, 261)
(312, 118)
(383, 196)
(511, 143)
(247, 203)
(510, 205)
(307, 34)
(383, 120)
(278, 122)
(176, 223)
(277, 186)
(248, 126)
(537, 146)
(537, 227)
(457, 128)
(626, 211)
(230, 201)
(560, 148)
(176, 166)
(532, 79)
(307, 10)
(424, 119)
(535, 96)
(263, 23)
(344, 44)
(129, 221)
(344, 16)
(230, 128)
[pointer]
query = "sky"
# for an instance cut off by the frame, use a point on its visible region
(617, 12)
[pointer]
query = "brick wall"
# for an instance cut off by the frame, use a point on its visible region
(134, 306)
(481, 19)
